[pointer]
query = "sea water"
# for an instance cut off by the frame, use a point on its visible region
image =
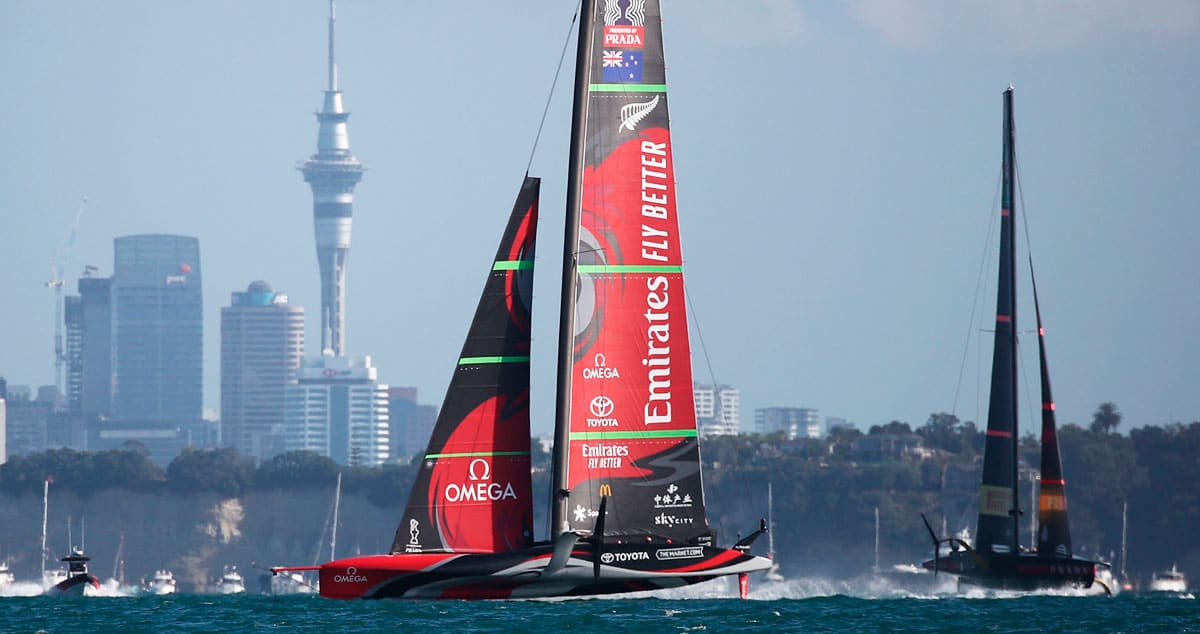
(804, 605)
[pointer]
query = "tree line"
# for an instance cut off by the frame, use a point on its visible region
(825, 492)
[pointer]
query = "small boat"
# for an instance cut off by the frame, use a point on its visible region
(628, 508)
(231, 581)
(163, 582)
(290, 583)
(75, 580)
(6, 576)
(1169, 581)
(997, 560)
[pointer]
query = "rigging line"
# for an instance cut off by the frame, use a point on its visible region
(550, 97)
(977, 301)
(549, 525)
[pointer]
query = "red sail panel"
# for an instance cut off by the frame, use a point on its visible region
(473, 491)
(1054, 530)
(632, 424)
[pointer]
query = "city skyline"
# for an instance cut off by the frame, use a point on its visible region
(836, 167)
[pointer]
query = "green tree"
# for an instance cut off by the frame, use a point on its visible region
(1106, 419)
(296, 470)
(220, 471)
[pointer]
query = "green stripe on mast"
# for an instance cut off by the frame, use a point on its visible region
(593, 269)
(475, 454)
(627, 87)
(633, 435)
(499, 359)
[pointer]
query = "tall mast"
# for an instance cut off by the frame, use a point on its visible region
(337, 499)
(45, 517)
(1010, 236)
(332, 173)
(999, 504)
(566, 321)
(1124, 510)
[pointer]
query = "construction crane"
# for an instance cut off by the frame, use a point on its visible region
(57, 264)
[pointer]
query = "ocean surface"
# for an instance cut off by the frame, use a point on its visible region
(790, 606)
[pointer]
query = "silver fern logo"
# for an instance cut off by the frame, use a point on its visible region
(634, 12)
(632, 114)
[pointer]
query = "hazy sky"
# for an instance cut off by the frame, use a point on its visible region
(837, 166)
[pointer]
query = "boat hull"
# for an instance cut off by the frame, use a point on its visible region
(525, 574)
(79, 585)
(1023, 572)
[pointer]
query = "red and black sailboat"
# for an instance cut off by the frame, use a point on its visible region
(997, 559)
(627, 505)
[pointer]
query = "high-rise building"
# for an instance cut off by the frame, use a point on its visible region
(337, 408)
(88, 318)
(332, 174)
(795, 422)
(262, 343)
(410, 424)
(718, 409)
(157, 332)
(27, 419)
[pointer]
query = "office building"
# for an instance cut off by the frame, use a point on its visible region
(717, 409)
(262, 344)
(157, 331)
(337, 408)
(794, 422)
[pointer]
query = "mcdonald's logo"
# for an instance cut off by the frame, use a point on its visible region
(605, 490)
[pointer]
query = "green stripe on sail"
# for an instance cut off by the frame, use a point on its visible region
(485, 360)
(627, 87)
(633, 435)
(628, 268)
(513, 265)
(475, 454)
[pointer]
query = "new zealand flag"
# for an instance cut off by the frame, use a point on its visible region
(622, 66)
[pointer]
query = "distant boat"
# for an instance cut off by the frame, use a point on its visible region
(6, 577)
(75, 580)
(290, 583)
(231, 581)
(1169, 581)
(997, 560)
(163, 582)
(627, 512)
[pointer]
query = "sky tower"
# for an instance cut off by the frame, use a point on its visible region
(332, 173)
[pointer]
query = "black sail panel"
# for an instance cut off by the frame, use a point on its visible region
(998, 513)
(473, 491)
(1054, 532)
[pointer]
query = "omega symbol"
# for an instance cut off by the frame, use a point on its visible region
(477, 465)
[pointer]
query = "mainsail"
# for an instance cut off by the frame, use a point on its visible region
(473, 492)
(626, 414)
(998, 512)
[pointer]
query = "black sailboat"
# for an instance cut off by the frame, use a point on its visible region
(997, 559)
